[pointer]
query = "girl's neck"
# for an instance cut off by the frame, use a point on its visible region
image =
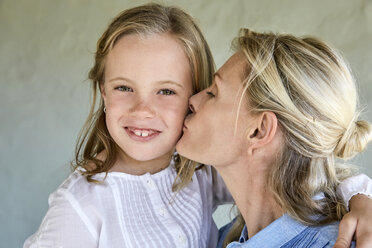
(129, 165)
(251, 195)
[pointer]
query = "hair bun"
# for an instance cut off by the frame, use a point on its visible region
(354, 140)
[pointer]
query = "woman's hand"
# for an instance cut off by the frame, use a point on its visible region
(357, 222)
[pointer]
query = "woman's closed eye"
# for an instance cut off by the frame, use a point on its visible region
(210, 94)
(166, 92)
(124, 88)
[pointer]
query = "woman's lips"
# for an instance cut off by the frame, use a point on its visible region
(142, 134)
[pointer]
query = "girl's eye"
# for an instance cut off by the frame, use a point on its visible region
(209, 93)
(167, 92)
(124, 88)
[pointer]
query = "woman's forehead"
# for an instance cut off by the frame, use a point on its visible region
(235, 67)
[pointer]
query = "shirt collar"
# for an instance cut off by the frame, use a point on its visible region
(244, 235)
(277, 233)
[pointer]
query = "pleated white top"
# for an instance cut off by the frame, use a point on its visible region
(132, 211)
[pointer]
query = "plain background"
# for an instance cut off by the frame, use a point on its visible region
(46, 51)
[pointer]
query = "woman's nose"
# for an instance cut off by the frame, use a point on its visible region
(194, 102)
(191, 106)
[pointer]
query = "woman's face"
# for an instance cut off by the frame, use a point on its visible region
(215, 133)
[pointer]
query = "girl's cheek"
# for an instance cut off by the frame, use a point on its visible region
(178, 107)
(174, 112)
(117, 98)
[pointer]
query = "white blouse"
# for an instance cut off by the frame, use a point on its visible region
(132, 211)
(141, 211)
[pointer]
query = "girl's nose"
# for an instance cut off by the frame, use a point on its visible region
(142, 110)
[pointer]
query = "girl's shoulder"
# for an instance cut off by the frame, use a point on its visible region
(77, 188)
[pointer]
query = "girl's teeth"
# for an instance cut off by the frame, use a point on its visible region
(141, 134)
(138, 133)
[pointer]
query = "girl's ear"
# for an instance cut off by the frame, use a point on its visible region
(263, 132)
(102, 89)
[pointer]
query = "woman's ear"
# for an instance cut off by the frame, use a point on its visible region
(263, 132)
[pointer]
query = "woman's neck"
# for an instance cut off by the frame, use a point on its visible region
(252, 196)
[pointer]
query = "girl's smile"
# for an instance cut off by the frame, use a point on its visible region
(141, 134)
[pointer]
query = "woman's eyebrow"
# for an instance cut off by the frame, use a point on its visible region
(217, 80)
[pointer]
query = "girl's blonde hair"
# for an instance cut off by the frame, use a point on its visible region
(310, 89)
(144, 20)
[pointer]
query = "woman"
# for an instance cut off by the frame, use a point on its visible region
(280, 111)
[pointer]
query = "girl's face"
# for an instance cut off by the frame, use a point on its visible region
(215, 133)
(146, 90)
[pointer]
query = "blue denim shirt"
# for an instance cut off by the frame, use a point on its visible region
(285, 232)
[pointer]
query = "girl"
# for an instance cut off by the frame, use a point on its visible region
(149, 61)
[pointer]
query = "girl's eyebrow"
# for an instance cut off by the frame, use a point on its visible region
(171, 82)
(120, 79)
(162, 82)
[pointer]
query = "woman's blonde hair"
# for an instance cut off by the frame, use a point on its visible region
(310, 89)
(144, 20)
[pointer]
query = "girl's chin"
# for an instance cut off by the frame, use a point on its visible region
(144, 157)
(146, 152)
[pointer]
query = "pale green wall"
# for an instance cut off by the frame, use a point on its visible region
(46, 50)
